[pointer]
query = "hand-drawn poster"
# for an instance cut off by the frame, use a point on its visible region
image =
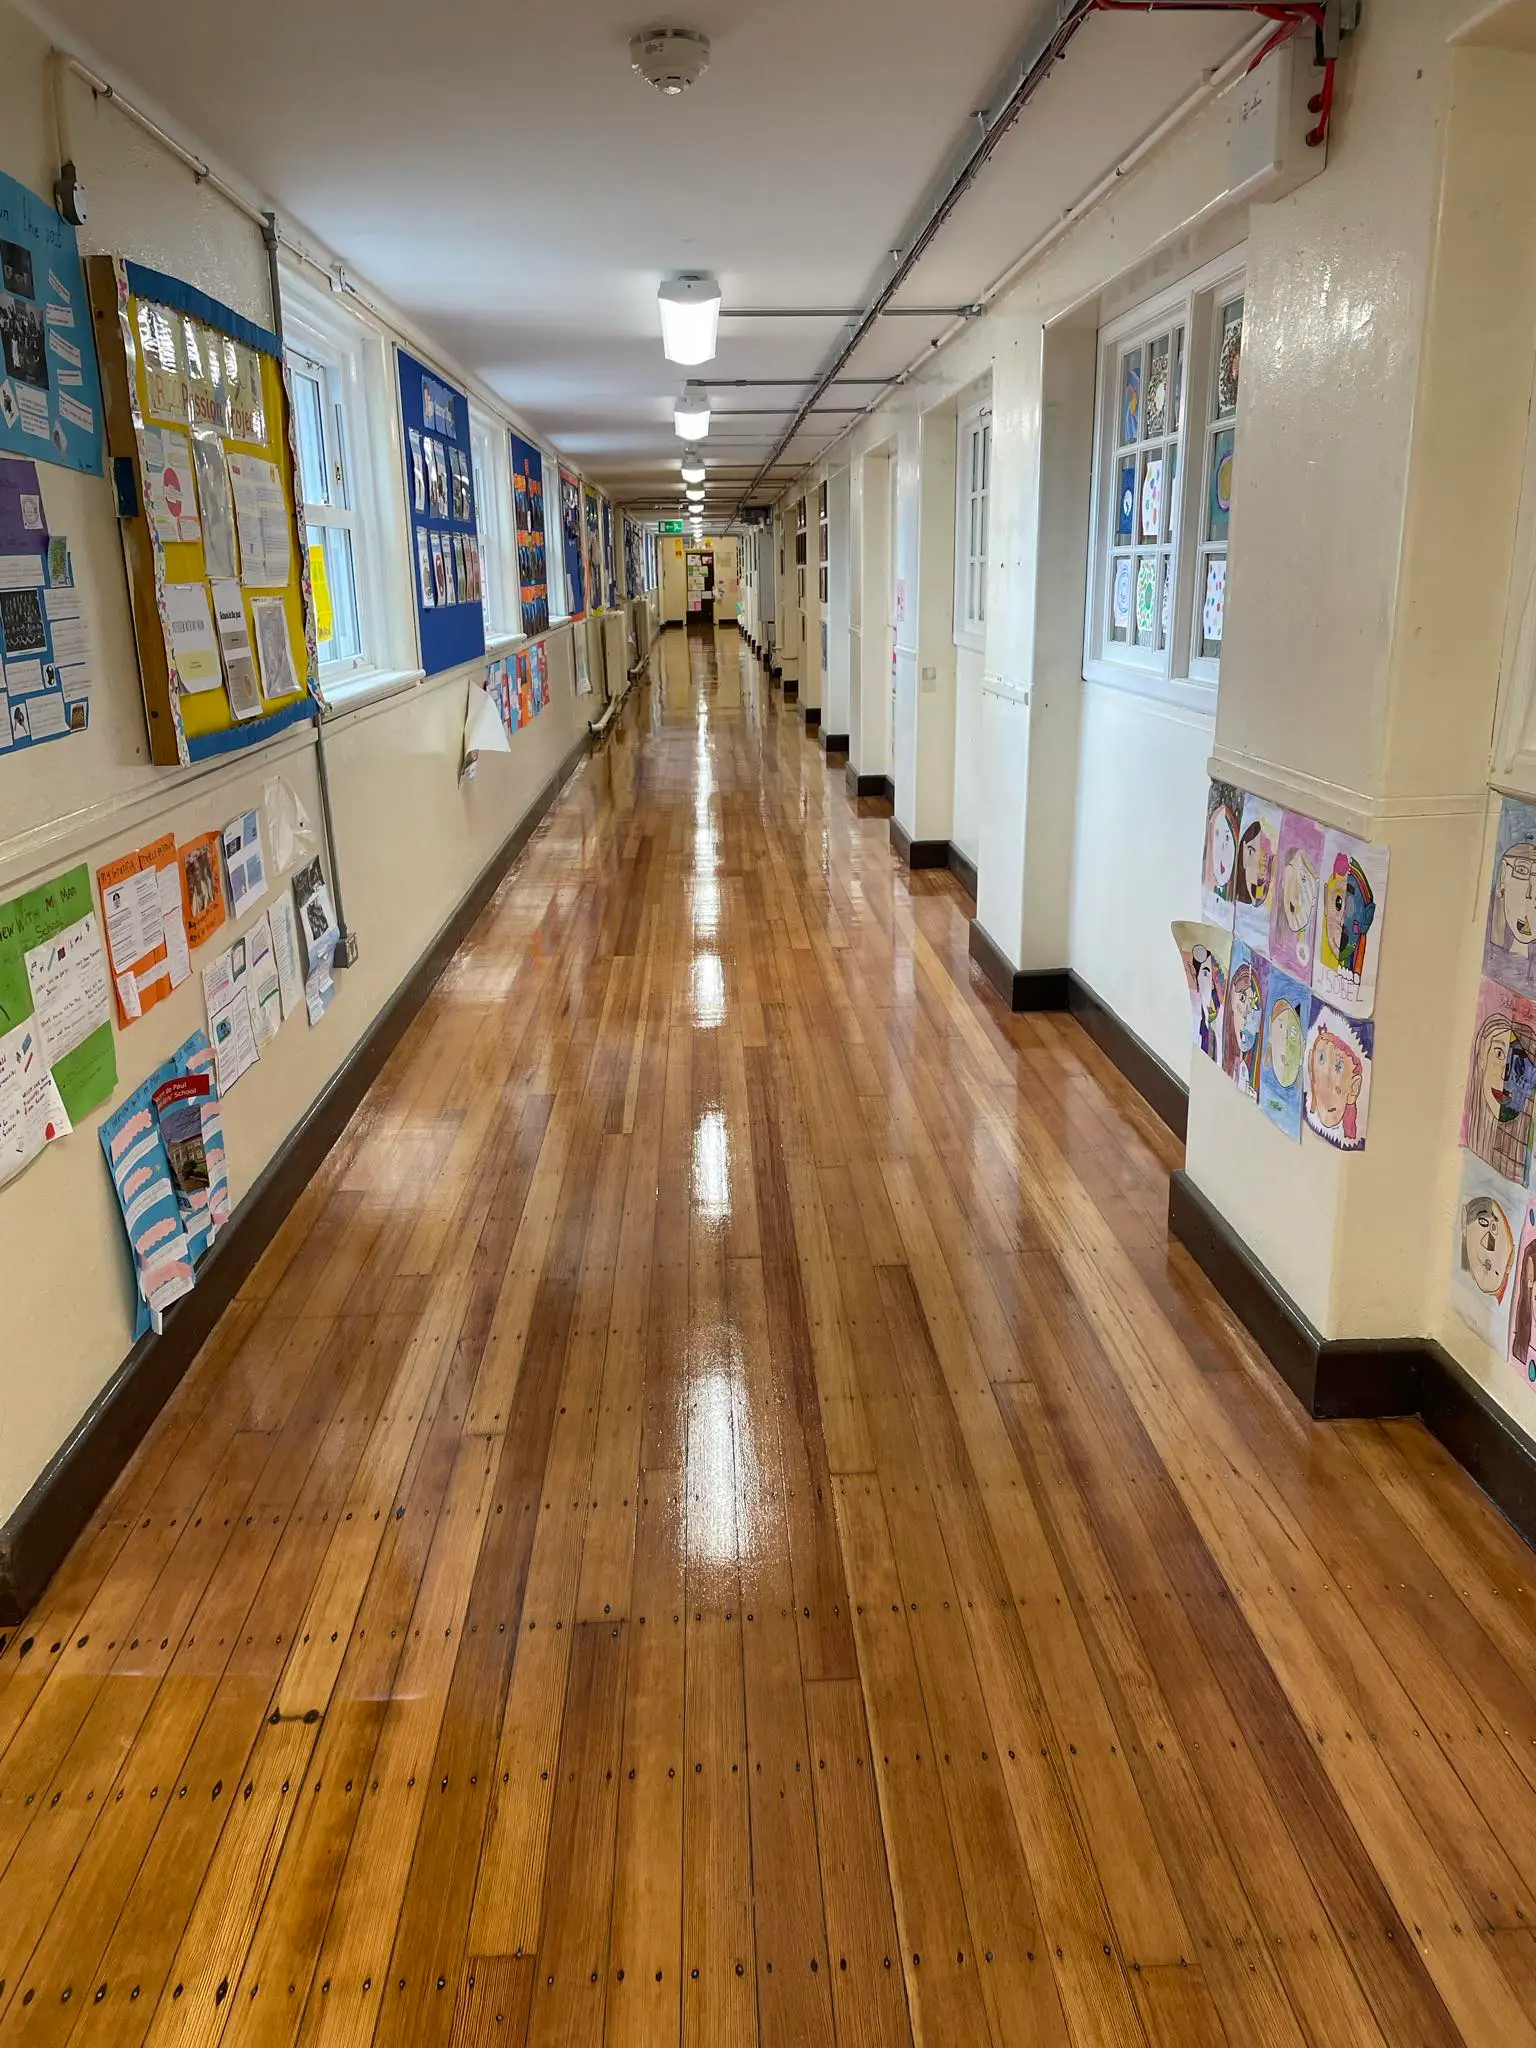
(1499, 1106)
(1522, 1320)
(50, 396)
(1338, 1077)
(1509, 947)
(1293, 899)
(1206, 951)
(1223, 817)
(1253, 878)
(1351, 912)
(528, 518)
(1286, 1007)
(571, 540)
(1242, 1021)
(1488, 1213)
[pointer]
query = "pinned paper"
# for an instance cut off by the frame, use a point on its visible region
(1293, 898)
(484, 732)
(240, 682)
(269, 620)
(170, 495)
(1287, 1007)
(1242, 1023)
(1253, 876)
(189, 624)
(1206, 951)
(1487, 1226)
(202, 886)
(1351, 913)
(245, 871)
(1338, 1077)
(1499, 1103)
(1223, 819)
(320, 588)
(1509, 944)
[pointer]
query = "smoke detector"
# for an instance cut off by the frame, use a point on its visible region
(671, 58)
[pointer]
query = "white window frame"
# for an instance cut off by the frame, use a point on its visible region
(973, 485)
(1177, 672)
(554, 540)
(490, 453)
(358, 363)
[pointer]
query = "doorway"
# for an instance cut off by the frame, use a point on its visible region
(700, 566)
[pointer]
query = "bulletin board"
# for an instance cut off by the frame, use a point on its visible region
(528, 516)
(571, 539)
(200, 432)
(440, 503)
(50, 407)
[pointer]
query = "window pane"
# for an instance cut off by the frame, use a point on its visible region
(1152, 498)
(1146, 600)
(1218, 510)
(1176, 380)
(1156, 408)
(986, 456)
(1130, 396)
(1229, 358)
(1171, 492)
(1125, 503)
(1213, 607)
(345, 641)
(1120, 604)
(309, 419)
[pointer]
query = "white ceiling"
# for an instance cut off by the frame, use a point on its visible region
(499, 172)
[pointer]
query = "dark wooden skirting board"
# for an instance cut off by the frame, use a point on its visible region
(791, 688)
(1157, 1085)
(813, 718)
(859, 785)
(1336, 1378)
(963, 870)
(1044, 989)
(77, 1478)
(918, 853)
(834, 743)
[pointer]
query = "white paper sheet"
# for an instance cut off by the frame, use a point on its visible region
(170, 498)
(261, 515)
(269, 617)
(266, 985)
(190, 625)
(217, 505)
(31, 1109)
(285, 948)
(71, 995)
(173, 924)
(245, 868)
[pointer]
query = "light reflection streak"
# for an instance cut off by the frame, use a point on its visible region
(712, 1168)
(708, 992)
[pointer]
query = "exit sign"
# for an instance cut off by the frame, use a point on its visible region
(671, 526)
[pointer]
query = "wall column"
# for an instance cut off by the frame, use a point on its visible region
(870, 644)
(787, 635)
(835, 688)
(925, 637)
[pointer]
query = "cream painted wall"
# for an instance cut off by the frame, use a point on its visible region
(393, 763)
(970, 757)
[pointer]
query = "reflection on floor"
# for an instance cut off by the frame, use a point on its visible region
(721, 1517)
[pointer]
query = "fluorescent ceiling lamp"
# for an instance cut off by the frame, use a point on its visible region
(695, 494)
(690, 315)
(690, 414)
(693, 470)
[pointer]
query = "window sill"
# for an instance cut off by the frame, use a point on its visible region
(972, 642)
(370, 688)
(1188, 694)
(498, 644)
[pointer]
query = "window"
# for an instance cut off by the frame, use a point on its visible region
(822, 551)
(1168, 400)
(973, 478)
(325, 480)
(491, 463)
(554, 540)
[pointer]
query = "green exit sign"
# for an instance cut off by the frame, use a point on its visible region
(671, 526)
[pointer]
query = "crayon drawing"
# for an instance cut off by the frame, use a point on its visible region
(1286, 1007)
(1293, 899)
(1509, 947)
(1351, 911)
(1499, 1106)
(1206, 951)
(1522, 1317)
(1488, 1214)
(1338, 1078)
(1242, 1022)
(1254, 876)
(1223, 815)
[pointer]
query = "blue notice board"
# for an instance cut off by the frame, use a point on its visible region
(440, 500)
(50, 395)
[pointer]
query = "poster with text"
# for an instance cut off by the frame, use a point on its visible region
(50, 394)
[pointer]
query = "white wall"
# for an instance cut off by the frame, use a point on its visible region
(410, 840)
(970, 757)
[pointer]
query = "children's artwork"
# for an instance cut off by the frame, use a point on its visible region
(1206, 951)
(1223, 820)
(571, 542)
(1352, 904)
(1509, 948)
(538, 663)
(1286, 1007)
(1253, 878)
(1338, 1077)
(1242, 1021)
(1522, 1320)
(1488, 1214)
(1499, 1106)
(1293, 898)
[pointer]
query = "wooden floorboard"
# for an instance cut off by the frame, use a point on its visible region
(720, 1517)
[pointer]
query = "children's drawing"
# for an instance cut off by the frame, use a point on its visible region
(1206, 951)
(1242, 1023)
(1293, 899)
(1522, 1320)
(1256, 870)
(1499, 1107)
(1338, 1077)
(1351, 910)
(1488, 1214)
(1223, 816)
(1509, 949)
(1286, 1006)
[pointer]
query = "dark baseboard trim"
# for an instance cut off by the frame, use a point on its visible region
(890, 790)
(963, 870)
(673, 625)
(1040, 989)
(1159, 1087)
(791, 690)
(865, 785)
(1336, 1378)
(75, 1481)
(918, 853)
(834, 743)
(813, 718)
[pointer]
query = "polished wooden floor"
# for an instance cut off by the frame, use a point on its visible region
(721, 1518)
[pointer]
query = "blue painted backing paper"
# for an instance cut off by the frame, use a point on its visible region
(574, 546)
(50, 393)
(432, 410)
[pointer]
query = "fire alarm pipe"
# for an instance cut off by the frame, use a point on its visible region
(1325, 17)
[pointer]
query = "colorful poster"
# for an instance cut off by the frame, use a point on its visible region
(1223, 820)
(1499, 1102)
(1522, 1321)
(528, 517)
(1351, 913)
(70, 985)
(1509, 945)
(596, 584)
(202, 886)
(1253, 878)
(1287, 1005)
(32, 1112)
(610, 560)
(1293, 899)
(1242, 1021)
(538, 664)
(50, 394)
(46, 658)
(525, 704)
(571, 539)
(1338, 1077)
(1488, 1215)
(1206, 952)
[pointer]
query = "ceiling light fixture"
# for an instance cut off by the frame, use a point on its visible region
(690, 316)
(690, 414)
(693, 469)
(694, 494)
